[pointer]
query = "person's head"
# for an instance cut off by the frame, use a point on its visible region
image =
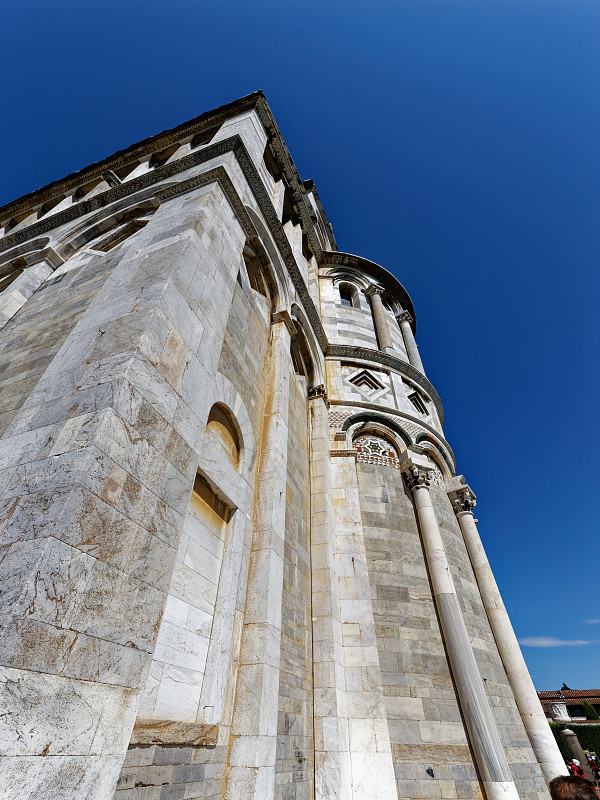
(572, 787)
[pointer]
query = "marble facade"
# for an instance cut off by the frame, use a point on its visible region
(236, 558)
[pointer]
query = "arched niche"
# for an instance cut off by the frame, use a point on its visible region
(279, 294)
(428, 444)
(224, 432)
(382, 423)
(259, 270)
(305, 345)
(109, 227)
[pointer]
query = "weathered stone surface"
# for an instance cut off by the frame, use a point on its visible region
(213, 577)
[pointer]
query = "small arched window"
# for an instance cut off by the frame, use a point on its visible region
(222, 431)
(348, 295)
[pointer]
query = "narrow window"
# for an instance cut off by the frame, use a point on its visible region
(418, 403)
(345, 296)
(222, 431)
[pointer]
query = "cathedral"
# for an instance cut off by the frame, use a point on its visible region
(238, 558)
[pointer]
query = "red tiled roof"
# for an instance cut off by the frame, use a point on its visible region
(583, 693)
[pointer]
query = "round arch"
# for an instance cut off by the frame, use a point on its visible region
(309, 343)
(432, 448)
(380, 419)
(276, 267)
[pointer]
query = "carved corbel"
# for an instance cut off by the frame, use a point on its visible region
(319, 391)
(284, 316)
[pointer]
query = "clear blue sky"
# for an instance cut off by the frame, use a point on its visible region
(455, 142)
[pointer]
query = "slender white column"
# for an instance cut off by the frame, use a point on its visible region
(332, 756)
(404, 320)
(481, 727)
(541, 737)
(381, 324)
(251, 773)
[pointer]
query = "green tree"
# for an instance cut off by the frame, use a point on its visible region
(590, 711)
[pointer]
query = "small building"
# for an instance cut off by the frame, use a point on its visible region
(567, 705)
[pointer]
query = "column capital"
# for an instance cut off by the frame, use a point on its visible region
(404, 316)
(462, 498)
(416, 471)
(319, 391)
(372, 290)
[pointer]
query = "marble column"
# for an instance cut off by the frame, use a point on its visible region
(541, 737)
(332, 757)
(381, 324)
(251, 764)
(405, 321)
(481, 728)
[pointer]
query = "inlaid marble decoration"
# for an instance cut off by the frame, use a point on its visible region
(374, 450)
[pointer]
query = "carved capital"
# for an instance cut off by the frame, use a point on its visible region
(462, 500)
(417, 477)
(404, 316)
(372, 290)
(319, 391)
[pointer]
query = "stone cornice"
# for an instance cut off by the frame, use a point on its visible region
(364, 354)
(232, 145)
(394, 411)
(288, 168)
(391, 284)
(139, 150)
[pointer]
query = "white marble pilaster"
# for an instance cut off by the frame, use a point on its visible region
(251, 768)
(332, 759)
(541, 737)
(371, 761)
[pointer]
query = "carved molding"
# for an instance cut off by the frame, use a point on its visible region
(139, 151)
(365, 354)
